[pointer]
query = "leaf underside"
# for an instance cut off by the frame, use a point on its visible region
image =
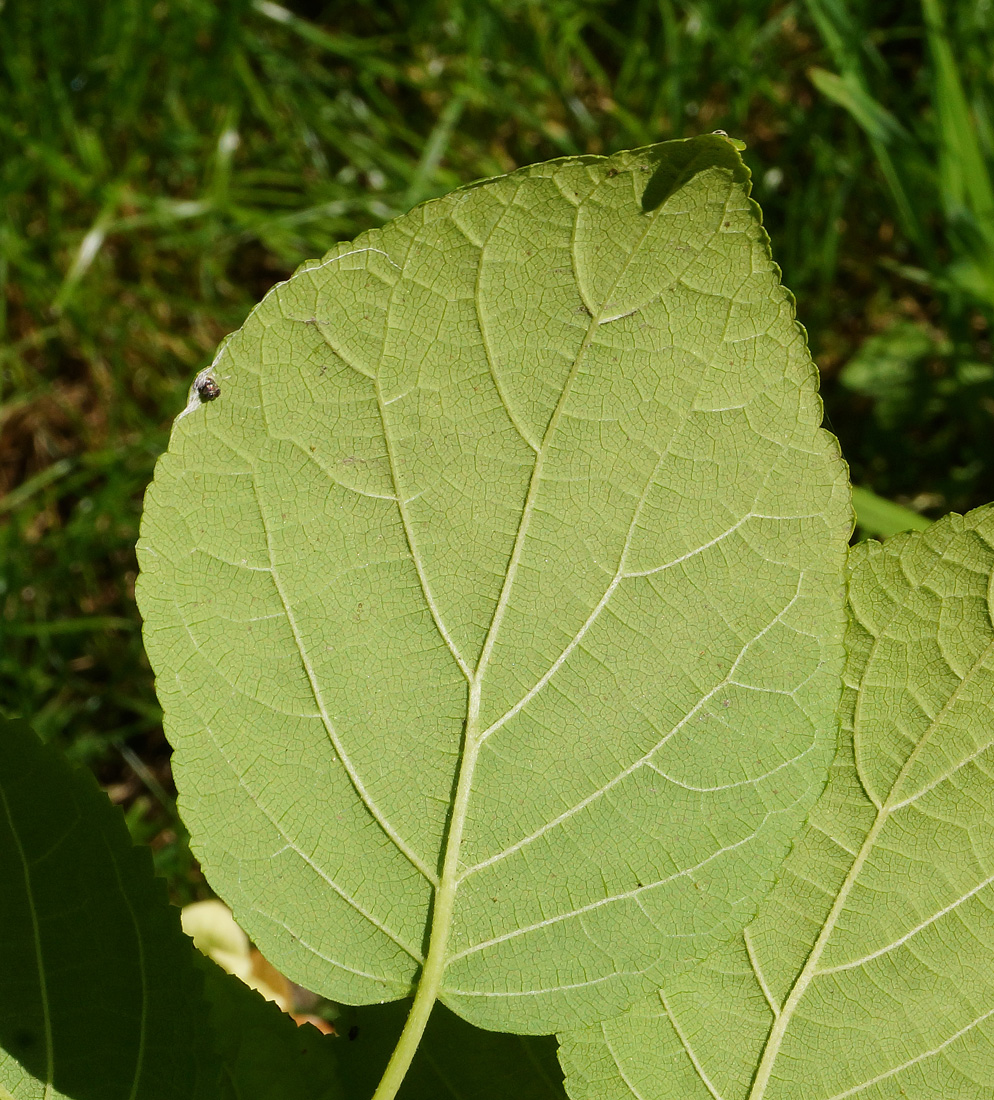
(496, 601)
(869, 970)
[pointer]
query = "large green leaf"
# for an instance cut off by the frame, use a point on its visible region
(496, 601)
(870, 969)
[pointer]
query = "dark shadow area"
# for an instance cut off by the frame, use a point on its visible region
(678, 162)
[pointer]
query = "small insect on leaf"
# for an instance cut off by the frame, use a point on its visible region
(208, 389)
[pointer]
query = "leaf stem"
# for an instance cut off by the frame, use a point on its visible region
(441, 921)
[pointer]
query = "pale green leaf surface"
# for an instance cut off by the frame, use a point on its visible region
(869, 970)
(509, 558)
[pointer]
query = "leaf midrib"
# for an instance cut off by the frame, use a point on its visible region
(440, 925)
(430, 981)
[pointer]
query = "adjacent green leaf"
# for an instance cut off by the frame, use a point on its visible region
(99, 996)
(870, 969)
(495, 603)
(455, 1060)
(261, 1052)
(102, 996)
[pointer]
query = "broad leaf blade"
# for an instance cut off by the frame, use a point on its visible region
(99, 995)
(869, 970)
(509, 559)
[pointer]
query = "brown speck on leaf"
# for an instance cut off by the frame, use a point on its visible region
(208, 389)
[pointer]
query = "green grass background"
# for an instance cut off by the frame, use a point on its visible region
(164, 162)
